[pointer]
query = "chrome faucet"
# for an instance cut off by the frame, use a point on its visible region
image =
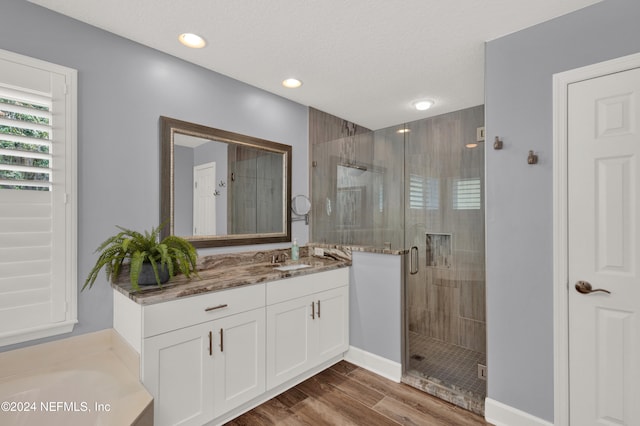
(279, 258)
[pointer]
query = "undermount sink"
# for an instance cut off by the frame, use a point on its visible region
(285, 268)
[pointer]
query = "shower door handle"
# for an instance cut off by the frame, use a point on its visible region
(413, 264)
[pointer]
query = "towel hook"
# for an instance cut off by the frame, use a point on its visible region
(497, 143)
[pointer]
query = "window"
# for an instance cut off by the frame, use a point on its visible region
(467, 194)
(424, 192)
(38, 282)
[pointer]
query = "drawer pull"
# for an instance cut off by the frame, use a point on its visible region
(221, 340)
(213, 308)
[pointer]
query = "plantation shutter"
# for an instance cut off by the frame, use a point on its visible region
(467, 194)
(37, 192)
(424, 192)
(25, 122)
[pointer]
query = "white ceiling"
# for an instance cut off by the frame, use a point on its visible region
(362, 60)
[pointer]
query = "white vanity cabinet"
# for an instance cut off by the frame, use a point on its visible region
(200, 372)
(178, 372)
(239, 360)
(332, 314)
(208, 358)
(307, 323)
(201, 356)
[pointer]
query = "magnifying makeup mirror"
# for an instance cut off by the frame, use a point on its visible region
(300, 206)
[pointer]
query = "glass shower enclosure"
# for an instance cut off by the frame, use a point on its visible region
(418, 187)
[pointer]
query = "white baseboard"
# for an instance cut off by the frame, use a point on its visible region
(384, 367)
(501, 414)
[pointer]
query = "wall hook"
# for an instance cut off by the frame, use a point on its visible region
(532, 158)
(497, 143)
(222, 184)
(216, 193)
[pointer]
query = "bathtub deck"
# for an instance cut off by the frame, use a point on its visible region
(83, 380)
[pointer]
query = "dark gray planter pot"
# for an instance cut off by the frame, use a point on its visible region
(147, 277)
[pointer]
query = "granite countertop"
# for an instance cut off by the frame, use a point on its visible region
(228, 271)
(364, 249)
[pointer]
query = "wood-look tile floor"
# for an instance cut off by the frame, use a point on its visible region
(349, 395)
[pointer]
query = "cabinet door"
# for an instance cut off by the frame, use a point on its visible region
(332, 322)
(239, 359)
(177, 370)
(289, 340)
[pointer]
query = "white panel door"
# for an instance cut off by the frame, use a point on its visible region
(204, 199)
(604, 235)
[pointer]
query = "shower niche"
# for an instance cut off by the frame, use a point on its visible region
(438, 250)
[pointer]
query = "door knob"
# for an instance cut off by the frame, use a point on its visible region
(584, 287)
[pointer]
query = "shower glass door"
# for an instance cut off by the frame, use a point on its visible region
(445, 349)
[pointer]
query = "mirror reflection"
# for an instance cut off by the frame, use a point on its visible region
(223, 188)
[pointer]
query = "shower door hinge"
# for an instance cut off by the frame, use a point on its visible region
(482, 372)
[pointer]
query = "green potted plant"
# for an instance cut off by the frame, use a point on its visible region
(150, 261)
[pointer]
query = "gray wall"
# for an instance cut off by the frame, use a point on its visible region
(123, 89)
(375, 301)
(519, 70)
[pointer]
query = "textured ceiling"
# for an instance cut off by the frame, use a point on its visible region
(362, 60)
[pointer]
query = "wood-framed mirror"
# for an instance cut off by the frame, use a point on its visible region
(220, 188)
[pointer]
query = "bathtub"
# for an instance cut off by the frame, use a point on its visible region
(88, 390)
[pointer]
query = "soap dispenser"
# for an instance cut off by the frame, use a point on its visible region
(295, 250)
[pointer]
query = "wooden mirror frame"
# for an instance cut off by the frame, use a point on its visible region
(170, 126)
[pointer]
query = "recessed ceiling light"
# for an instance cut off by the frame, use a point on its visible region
(423, 105)
(291, 83)
(192, 40)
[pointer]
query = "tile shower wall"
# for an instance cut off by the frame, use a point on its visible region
(444, 218)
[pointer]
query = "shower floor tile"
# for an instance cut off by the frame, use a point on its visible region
(448, 365)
